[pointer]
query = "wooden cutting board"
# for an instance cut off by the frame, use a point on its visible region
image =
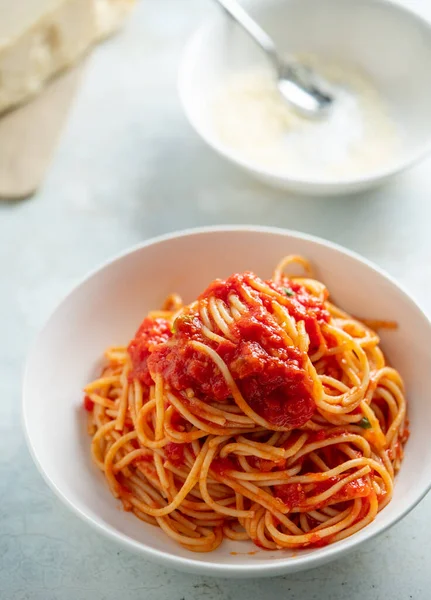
(29, 135)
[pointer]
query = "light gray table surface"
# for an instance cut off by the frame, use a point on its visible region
(129, 167)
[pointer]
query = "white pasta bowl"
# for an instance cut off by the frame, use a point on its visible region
(106, 309)
(385, 41)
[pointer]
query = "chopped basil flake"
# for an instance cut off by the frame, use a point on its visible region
(288, 291)
(364, 423)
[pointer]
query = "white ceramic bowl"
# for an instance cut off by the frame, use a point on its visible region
(383, 39)
(107, 308)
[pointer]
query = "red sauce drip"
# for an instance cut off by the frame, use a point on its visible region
(175, 453)
(88, 404)
(291, 494)
(149, 336)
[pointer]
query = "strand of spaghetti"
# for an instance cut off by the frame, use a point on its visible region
(181, 528)
(286, 322)
(237, 536)
(204, 426)
(160, 408)
(255, 494)
(165, 523)
(292, 449)
(224, 312)
(321, 517)
(158, 462)
(359, 441)
(140, 427)
(394, 428)
(382, 471)
(209, 548)
(218, 319)
(214, 337)
(143, 517)
(121, 417)
(295, 540)
(261, 534)
(101, 382)
(109, 459)
(375, 434)
(172, 435)
(116, 354)
(249, 447)
(231, 512)
(303, 521)
(98, 436)
(131, 457)
(303, 479)
(250, 525)
(289, 260)
(97, 399)
(329, 493)
(319, 462)
(203, 312)
(131, 406)
(372, 512)
(303, 344)
(190, 482)
(216, 415)
(393, 404)
(236, 306)
(146, 489)
(138, 394)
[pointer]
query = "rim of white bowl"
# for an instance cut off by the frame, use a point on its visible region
(375, 175)
(276, 566)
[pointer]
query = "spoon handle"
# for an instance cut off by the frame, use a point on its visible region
(259, 35)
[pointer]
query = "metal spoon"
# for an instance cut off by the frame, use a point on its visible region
(305, 91)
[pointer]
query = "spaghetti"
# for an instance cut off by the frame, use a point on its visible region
(260, 411)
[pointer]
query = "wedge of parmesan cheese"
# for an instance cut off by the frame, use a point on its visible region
(39, 38)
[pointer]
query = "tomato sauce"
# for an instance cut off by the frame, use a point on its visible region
(358, 488)
(150, 334)
(175, 453)
(88, 404)
(302, 306)
(224, 465)
(270, 374)
(264, 465)
(319, 542)
(291, 494)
